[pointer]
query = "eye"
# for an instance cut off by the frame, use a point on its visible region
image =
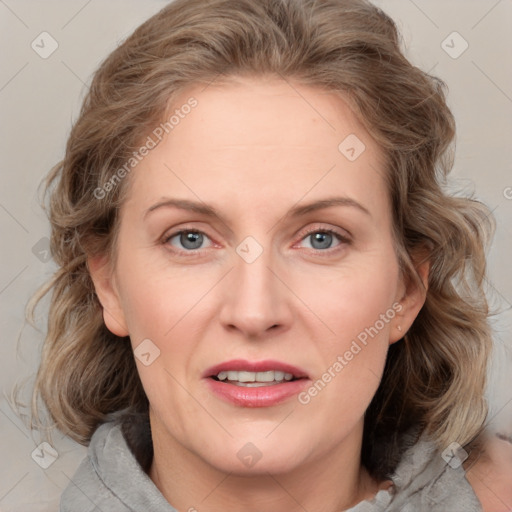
(323, 239)
(190, 240)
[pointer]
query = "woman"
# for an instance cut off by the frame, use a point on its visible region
(265, 300)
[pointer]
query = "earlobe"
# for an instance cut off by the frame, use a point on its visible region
(412, 299)
(106, 291)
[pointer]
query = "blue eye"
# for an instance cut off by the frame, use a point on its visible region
(322, 239)
(189, 240)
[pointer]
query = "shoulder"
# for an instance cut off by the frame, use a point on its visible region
(426, 479)
(86, 490)
(490, 474)
(110, 478)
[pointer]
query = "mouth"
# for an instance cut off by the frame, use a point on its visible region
(255, 384)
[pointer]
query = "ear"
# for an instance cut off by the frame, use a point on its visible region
(411, 297)
(108, 295)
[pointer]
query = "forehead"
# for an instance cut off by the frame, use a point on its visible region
(270, 140)
(267, 112)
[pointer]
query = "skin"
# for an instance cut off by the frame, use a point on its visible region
(254, 148)
(490, 476)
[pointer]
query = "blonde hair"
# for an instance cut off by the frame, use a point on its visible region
(435, 376)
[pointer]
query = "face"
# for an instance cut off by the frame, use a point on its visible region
(257, 278)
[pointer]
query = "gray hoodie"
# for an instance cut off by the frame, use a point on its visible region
(111, 480)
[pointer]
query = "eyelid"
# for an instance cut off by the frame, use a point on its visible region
(173, 232)
(343, 236)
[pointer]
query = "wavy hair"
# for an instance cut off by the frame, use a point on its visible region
(435, 376)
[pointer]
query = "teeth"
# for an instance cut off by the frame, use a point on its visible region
(257, 377)
(278, 375)
(265, 376)
(245, 376)
(232, 375)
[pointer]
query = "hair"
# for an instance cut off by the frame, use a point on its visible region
(435, 376)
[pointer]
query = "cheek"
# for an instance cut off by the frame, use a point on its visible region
(155, 294)
(162, 304)
(354, 298)
(358, 307)
(157, 305)
(353, 360)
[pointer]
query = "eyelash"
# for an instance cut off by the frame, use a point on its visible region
(344, 240)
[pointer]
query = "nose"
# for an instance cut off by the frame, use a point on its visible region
(256, 301)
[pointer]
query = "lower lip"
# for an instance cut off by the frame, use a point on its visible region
(263, 396)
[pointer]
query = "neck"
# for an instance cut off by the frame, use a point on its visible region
(333, 481)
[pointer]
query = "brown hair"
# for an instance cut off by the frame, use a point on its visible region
(435, 376)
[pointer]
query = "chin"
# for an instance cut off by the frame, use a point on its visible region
(255, 463)
(248, 455)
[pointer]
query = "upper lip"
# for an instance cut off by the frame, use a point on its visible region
(242, 365)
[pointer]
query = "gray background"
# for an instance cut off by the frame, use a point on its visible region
(40, 98)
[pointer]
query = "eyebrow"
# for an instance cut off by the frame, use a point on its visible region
(327, 203)
(297, 211)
